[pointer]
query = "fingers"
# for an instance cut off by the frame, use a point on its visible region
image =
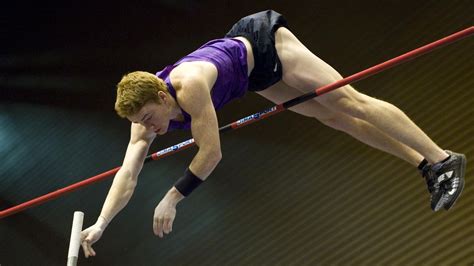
(89, 246)
(85, 249)
(86, 245)
(88, 250)
(155, 226)
(168, 225)
(91, 251)
(159, 227)
(162, 226)
(165, 226)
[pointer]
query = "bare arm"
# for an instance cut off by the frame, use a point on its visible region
(194, 97)
(204, 127)
(122, 187)
(126, 178)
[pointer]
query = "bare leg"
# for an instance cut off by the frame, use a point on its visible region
(305, 71)
(357, 128)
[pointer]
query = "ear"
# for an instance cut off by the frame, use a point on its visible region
(163, 96)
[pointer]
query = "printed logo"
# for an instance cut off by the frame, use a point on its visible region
(255, 116)
(442, 177)
(175, 147)
(455, 186)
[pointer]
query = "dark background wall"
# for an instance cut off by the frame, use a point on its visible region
(288, 190)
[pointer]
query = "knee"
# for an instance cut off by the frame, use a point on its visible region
(351, 105)
(354, 108)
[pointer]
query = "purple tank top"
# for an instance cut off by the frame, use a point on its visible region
(230, 58)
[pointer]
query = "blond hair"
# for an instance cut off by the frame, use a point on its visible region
(135, 89)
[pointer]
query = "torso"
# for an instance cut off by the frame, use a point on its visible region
(222, 63)
(207, 69)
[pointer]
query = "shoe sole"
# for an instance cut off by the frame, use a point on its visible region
(458, 192)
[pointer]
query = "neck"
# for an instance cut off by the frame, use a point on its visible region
(176, 113)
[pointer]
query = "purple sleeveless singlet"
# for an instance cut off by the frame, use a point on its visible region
(230, 58)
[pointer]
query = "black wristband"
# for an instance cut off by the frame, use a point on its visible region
(187, 183)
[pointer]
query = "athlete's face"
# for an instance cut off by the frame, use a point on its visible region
(154, 117)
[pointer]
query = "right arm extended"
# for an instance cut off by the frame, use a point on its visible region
(122, 187)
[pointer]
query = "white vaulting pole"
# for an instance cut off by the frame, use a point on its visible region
(75, 241)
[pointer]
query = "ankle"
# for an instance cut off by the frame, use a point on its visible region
(440, 158)
(445, 159)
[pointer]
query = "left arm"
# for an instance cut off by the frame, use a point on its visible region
(204, 127)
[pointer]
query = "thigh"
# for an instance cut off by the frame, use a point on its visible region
(306, 72)
(281, 92)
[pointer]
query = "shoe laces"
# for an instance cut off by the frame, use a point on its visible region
(446, 185)
(432, 182)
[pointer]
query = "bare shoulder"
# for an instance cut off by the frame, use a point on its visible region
(193, 82)
(192, 74)
(139, 133)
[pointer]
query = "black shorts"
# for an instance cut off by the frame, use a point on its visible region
(259, 29)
